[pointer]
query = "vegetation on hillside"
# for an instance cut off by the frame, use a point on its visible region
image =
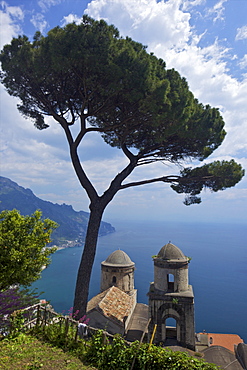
(97, 348)
(26, 352)
(33, 352)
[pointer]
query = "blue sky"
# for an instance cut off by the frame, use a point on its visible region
(205, 40)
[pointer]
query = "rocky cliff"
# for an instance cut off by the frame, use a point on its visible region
(72, 224)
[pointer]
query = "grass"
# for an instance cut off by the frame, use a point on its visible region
(29, 353)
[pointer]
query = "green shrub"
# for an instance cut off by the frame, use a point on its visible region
(99, 352)
(119, 355)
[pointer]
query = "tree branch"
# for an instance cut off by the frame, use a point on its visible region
(171, 179)
(168, 179)
(128, 153)
(82, 177)
(82, 131)
(115, 185)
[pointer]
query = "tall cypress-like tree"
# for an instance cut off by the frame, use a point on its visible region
(88, 76)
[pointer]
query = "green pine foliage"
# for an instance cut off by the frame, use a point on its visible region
(216, 176)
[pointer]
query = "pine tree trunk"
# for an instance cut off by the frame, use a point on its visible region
(87, 260)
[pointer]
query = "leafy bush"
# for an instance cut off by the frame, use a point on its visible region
(23, 251)
(99, 352)
(119, 355)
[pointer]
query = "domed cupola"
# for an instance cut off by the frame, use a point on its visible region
(171, 269)
(171, 252)
(118, 258)
(118, 270)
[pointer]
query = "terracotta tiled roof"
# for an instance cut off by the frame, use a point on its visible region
(224, 340)
(93, 303)
(112, 303)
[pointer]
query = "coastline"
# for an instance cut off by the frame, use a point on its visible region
(66, 246)
(76, 243)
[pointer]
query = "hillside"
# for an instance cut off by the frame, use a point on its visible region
(73, 224)
(27, 352)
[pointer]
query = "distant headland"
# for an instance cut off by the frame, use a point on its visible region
(72, 224)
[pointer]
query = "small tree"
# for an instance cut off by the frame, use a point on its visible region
(23, 251)
(88, 76)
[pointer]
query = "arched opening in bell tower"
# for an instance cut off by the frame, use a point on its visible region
(114, 280)
(170, 282)
(170, 331)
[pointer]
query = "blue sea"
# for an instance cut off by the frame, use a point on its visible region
(217, 272)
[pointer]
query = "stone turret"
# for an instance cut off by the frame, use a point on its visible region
(171, 296)
(118, 270)
(171, 269)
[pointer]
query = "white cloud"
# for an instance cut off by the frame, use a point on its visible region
(157, 23)
(39, 22)
(241, 33)
(210, 82)
(243, 62)
(188, 4)
(46, 4)
(11, 16)
(217, 11)
(70, 19)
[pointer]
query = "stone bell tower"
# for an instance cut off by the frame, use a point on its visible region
(118, 270)
(171, 296)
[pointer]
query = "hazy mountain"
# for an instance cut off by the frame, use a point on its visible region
(73, 225)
